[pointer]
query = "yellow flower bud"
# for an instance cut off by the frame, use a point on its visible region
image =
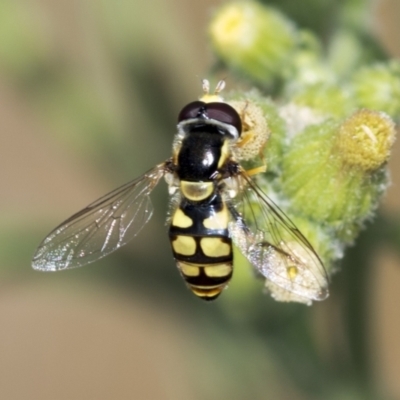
(253, 39)
(365, 139)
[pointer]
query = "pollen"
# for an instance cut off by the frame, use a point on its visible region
(365, 139)
(255, 130)
(292, 272)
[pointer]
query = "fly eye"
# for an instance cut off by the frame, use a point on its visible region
(192, 110)
(223, 112)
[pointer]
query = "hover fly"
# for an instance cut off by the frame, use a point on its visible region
(215, 203)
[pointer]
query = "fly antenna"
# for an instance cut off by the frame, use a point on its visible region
(220, 87)
(205, 83)
(214, 97)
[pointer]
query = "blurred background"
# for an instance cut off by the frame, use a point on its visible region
(89, 94)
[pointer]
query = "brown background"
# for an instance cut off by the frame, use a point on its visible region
(66, 338)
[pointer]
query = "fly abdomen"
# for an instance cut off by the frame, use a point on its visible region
(201, 245)
(206, 281)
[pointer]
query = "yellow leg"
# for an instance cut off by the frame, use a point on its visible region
(262, 168)
(245, 139)
(257, 170)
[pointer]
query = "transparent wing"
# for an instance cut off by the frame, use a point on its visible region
(275, 247)
(100, 228)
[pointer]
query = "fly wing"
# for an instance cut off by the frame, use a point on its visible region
(275, 247)
(100, 228)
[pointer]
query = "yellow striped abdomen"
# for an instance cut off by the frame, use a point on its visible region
(201, 245)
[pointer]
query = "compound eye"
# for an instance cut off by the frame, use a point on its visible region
(223, 112)
(192, 110)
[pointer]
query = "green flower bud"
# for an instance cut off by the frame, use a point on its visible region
(308, 66)
(378, 88)
(252, 39)
(332, 172)
(327, 98)
(345, 52)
